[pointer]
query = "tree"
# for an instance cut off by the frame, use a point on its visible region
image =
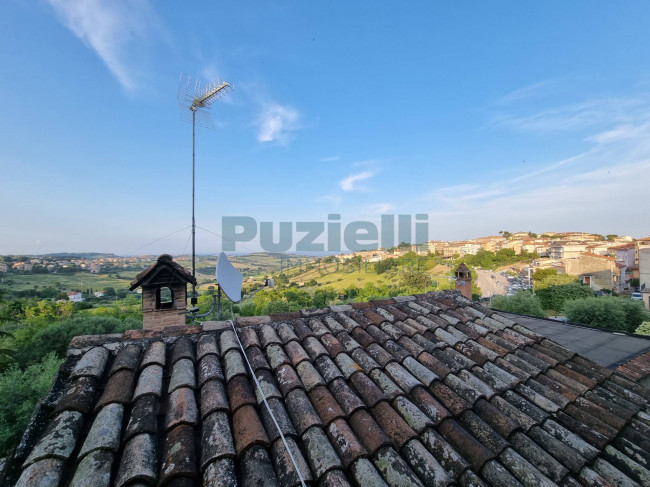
(109, 292)
(644, 329)
(541, 274)
(555, 280)
(635, 282)
(532, 235)
(523, 303)
(415, 280)
(611, 237)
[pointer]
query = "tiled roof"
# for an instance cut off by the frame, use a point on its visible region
(636, 369)
(421, 390)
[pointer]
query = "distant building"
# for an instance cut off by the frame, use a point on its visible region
(562, 249)
(99, 294)
(4, 267)
(75, 297)
(598, 271)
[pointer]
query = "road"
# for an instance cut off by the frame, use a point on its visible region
(491, 282)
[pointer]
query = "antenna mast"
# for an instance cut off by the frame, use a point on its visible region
(197, 99)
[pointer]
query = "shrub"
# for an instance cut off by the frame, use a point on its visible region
(523, 303)
(20, 390)
(609, 313)
(555, 297)
(644, 329)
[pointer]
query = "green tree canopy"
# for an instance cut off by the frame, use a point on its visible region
(610, 313)
(523, 303)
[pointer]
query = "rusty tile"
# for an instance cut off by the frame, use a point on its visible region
(346, 398)
(93, 470)
(149, 382)
(302, 413)
(216, 438)
(347, 341)
(179, 454)
(411, 346)
(179, 330)
(483, 432)
(267, 386)
(379, 335)
(183, 348)
(503, 424)
(267, 335)
(345, 442)
(333, 325)
(362, 321)
(118, 389)
(285, 332)
(381, 356)
(413, 416)
(79, 395)
(361, 336)
(257, 359)
(276, 355)
(332, 345)
(213, 398)
(328, 369)
(452, 401)
(181, 408)
(248, 429)
(325, 404)
(447, 359)
(366, 362)
(45, 473)
(309, 376)
(387, 386)
(433, 364)
(287, 379)
(59, 439)
(127, 358)
(393, 332)
(572, 440)
(364, 305)
(301, 329)
(347, 365)
(248, 338)
(367, 389)
(318, 328)
(428, 404)
(296, 353)
(209, 369)
(449, 458)
(139, 461)
(91, 364)
(404, 379)
(544, 462)
(206, 345)
(394, 469)
(234, 365)
(373, 316)
(512, 369)
(368, 431)
(532, 360)
(585, 431)
(220, 472)
(182, 375)
(499, 350)
(241, 393)
(284, 467)
(257, 468)
(615, 418)
(143, 417)
(320, 454)
(393, 424)
(281, 418)
(313, 347)
(468, 446)
(154, 354)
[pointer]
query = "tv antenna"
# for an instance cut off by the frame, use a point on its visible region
(194, 102)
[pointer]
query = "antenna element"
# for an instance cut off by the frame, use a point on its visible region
(194, 102)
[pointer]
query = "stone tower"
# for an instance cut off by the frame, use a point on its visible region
(464, 280)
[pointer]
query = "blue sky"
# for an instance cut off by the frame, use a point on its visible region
(487, 116)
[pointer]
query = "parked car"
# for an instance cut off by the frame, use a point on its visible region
(637, 296)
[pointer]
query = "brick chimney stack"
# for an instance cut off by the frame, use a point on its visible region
(464, 280)
(164, 293)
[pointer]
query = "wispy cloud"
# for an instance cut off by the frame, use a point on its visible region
(333, 198)
(350, 183)
(378, 208)
(330, 159)
(118, 31)
(527, 92)
(277, 122)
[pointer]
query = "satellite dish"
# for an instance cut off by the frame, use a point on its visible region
(229, 278)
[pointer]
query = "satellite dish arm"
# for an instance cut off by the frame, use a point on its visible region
(214, 305)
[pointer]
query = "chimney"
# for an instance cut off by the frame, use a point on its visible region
(164, 293)
(464, 280)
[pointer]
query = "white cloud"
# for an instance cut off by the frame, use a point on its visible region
(277, 122)
(349, 183)
(117, 30)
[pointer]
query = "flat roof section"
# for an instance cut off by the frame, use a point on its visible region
(604, 347)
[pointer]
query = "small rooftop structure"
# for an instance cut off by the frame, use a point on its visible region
(164, 293)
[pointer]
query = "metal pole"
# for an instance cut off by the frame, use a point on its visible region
(193, 300)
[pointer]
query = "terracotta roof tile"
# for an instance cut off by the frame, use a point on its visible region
(426, 390)
(248, 429)
(143, 417)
